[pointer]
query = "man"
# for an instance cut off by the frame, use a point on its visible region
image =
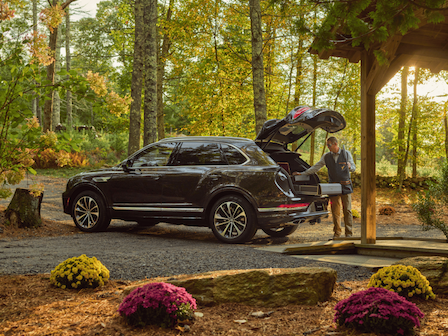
(339, 163)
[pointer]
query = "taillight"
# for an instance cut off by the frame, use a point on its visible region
(300, 206)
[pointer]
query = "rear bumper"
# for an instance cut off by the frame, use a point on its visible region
(285, 216)
(272, 221)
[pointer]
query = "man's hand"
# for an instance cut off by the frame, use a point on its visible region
(349, 165)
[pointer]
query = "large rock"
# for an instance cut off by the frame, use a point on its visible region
(434, 268)
(271, 287)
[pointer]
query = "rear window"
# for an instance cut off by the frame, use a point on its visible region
(233, 155)
(200, 153)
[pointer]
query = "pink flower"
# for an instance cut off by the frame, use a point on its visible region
(158, 295)
(364, 311)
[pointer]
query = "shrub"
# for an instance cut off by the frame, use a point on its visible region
(386, 210)
(79, 272)
(432, 206)
(406, 281)
(157, 303)
(355, 213)
(378, 310)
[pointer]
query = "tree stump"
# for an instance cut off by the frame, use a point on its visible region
(24, 209)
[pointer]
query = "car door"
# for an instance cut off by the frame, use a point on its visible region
(140, 185)
(188, 179)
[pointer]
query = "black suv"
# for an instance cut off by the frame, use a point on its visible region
(232, 185)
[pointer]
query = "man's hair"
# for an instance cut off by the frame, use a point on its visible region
(332, 140)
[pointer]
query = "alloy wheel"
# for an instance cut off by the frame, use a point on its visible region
(87, 212)
(230, 219)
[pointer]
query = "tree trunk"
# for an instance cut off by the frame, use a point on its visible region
(68, 61)
(408, 145)
(298, 89)
(150, 108)
(415, 126)
(135, 114)
(313, 136)
(36, 99)
(166, 44)
(401, 169)
(299, 74)
(57, 99)
(48, 107)
(445, 122)
(24, 209)
(257, 65)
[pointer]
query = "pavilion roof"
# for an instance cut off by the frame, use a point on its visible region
(424, 47)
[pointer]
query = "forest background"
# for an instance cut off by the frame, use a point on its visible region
(140, 71)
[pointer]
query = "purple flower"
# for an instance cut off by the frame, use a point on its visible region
(378, 310)
(158, 302)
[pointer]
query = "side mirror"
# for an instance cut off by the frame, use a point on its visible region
(127, 166)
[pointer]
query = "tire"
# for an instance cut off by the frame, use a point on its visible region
(281, 232)
(89, 212)
(232, 220)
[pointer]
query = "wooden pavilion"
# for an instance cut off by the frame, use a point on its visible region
(423, 47)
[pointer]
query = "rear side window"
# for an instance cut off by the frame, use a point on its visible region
(233, 155)
(200, 153)
(157, 155)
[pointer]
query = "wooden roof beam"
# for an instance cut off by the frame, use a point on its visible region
(387, 73)
(377, 71)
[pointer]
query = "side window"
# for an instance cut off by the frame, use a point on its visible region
(157, 155)
(200, 153)
(233, 155)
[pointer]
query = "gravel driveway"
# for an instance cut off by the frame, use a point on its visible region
(132, 253)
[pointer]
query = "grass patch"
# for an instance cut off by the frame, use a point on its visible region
(65, 172)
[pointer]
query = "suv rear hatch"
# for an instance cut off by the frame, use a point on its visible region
(299, 124)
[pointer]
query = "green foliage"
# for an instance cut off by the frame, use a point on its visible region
(18, 128)
(105, 148)
(355, 213)
(64, 172)
(59, 150)
(79, 272)
(432, 206)
(407, 281)
(383, 19)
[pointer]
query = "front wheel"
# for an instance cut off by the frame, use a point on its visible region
(232, 220)
(281, 232)
(89, 212)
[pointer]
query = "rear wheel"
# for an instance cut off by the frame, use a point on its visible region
(232, 220)
(89, 212)
(281, 232)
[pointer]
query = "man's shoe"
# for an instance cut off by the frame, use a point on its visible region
(348, 235)
(336, 236)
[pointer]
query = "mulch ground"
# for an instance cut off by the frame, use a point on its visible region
(30, 305)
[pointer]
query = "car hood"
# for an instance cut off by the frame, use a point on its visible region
(298, 123)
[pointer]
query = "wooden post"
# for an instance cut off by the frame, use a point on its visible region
(368, 188)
